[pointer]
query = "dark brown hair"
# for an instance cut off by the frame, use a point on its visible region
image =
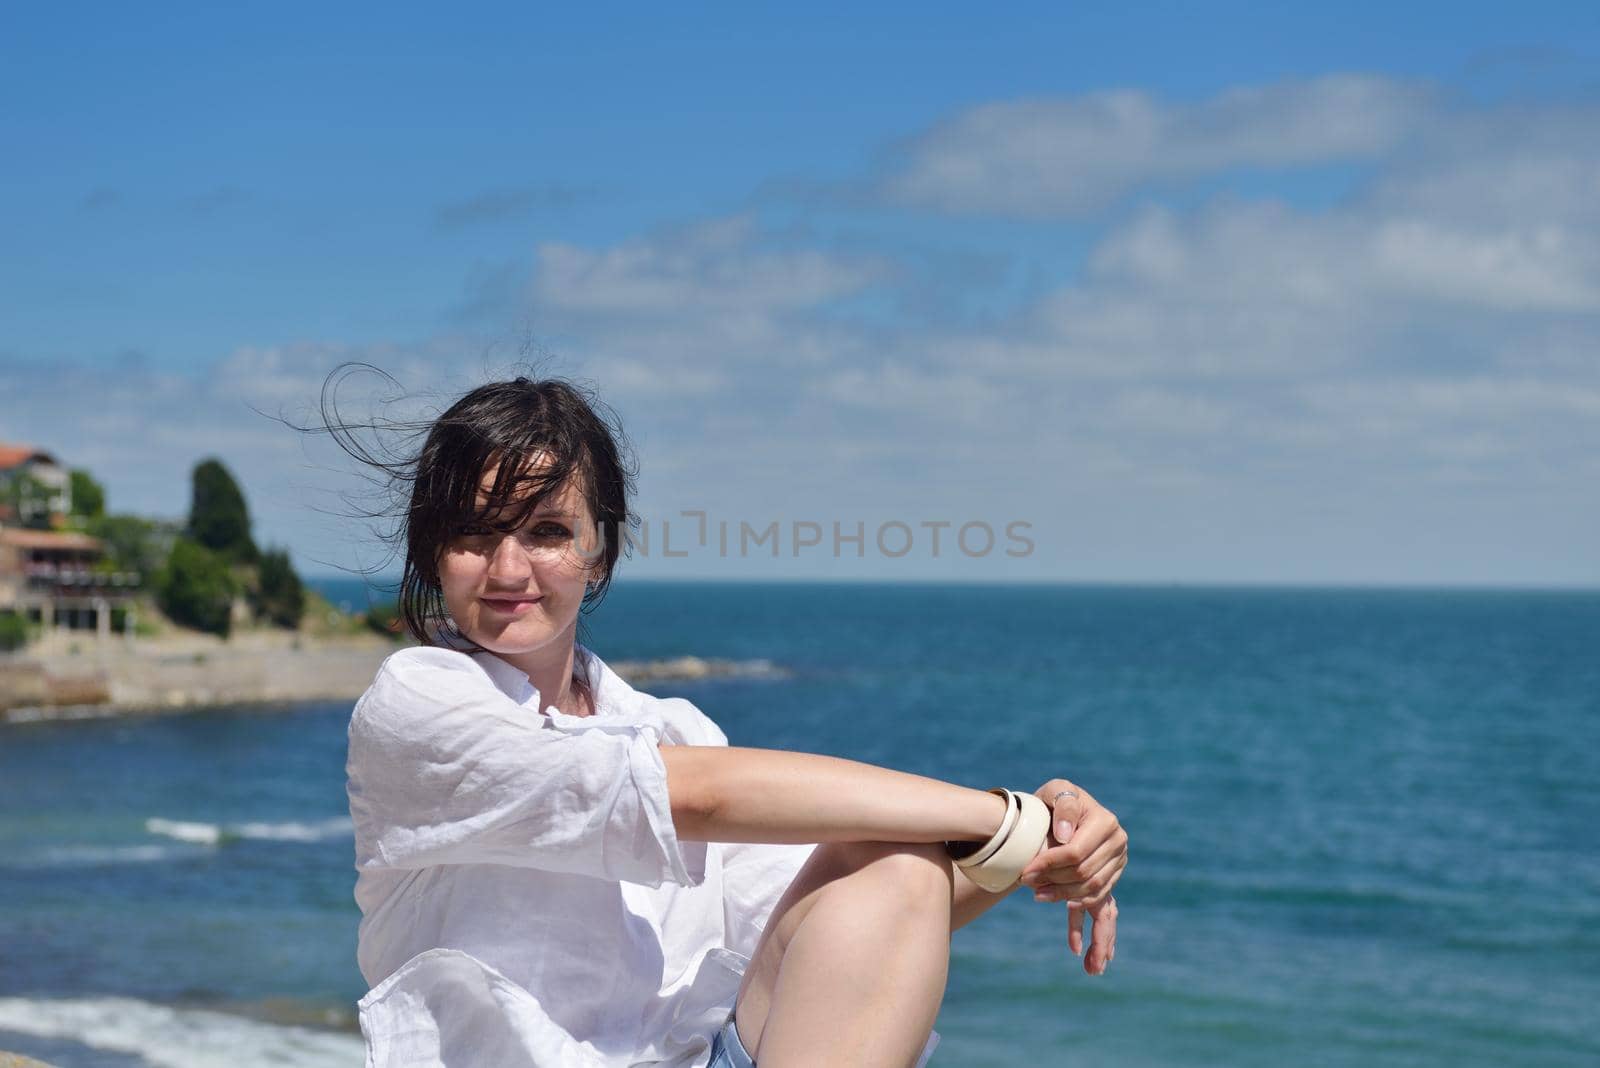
(511, 424)
(433, 489)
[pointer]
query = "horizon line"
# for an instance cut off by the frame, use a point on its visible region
(1213, 584)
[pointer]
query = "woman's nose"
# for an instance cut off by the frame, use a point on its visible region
(509, 560)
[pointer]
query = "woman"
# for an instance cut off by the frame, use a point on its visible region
(558, 870)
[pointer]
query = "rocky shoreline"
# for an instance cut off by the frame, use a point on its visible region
(95, 680)
(16, 1060)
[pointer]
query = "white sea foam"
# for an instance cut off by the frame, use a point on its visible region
(319, 831)
(216, 833)
(73, 856)
(166, 1037)
(190, 838)
(203, 833)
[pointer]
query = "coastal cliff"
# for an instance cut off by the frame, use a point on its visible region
(73, 678)
(67, 679)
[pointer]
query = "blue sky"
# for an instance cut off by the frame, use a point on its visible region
(1206, 295)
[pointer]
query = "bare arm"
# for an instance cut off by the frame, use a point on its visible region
(734, 794)
(971, 900)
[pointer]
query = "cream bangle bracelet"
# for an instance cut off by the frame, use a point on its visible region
(996, 868)
(987, 849)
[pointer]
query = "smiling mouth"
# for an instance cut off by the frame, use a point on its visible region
(511, 605)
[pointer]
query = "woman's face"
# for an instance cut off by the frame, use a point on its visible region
(519, 592)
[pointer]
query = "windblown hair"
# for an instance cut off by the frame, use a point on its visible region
(538, 434)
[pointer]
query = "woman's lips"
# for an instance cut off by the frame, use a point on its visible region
(511, 606)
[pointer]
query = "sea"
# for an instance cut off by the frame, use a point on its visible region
(1364, 824)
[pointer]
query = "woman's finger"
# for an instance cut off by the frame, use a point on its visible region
(1108, 858)
(1069, 804)
(1090, 891)
(1075, 930)
(1106, 854)
(1103, 938)
(1098, 827)
(1098, 889)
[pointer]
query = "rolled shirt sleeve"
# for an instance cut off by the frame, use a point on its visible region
(446, 768)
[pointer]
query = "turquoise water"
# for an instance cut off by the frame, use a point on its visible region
(1363, 824)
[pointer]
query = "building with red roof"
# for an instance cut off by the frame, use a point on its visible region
(25, 461)
(48, 576)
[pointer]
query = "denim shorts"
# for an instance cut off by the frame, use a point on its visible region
(726, 1049)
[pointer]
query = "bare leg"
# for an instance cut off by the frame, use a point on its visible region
(851, 968)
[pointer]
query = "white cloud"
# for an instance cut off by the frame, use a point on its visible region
(647, 379)
(1169, 412)
(957, 397)
(1543, 266)
(1500, 399)
(1243, 341)
(715, 267)
(1050, 157)
(1435, 337)
(1517, 165)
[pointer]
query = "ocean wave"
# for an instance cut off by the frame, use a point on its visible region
(218, 833)
(190, 839)
(183, 831)
(319, 831)
(167, 1037)
(91, 856)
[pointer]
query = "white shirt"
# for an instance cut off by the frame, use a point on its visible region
(525, 899)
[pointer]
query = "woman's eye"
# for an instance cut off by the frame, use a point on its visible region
(547, 531)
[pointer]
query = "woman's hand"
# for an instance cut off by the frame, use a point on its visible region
(1079, 864)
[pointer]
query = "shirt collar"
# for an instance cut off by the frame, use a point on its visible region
(612, 695)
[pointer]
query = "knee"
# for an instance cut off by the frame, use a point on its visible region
(915, 871)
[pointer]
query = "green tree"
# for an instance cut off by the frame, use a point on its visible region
(218, 518)
(196, 588)
(280, 596)
(384, 619)
(133, 543)
(88, 496)
(13, 632)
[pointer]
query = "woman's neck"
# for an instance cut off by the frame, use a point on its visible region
(550, 672)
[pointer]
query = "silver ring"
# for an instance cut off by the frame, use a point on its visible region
(1063, 793)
